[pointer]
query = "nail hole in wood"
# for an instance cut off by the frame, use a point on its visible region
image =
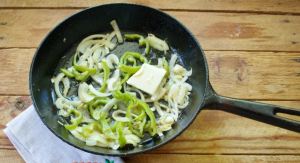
(20, 105)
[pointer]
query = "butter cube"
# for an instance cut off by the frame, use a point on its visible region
(147, 78)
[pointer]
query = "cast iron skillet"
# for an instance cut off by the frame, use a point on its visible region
(140, 19)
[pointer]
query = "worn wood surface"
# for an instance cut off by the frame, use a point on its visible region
(149, 158)
(266, 6)
(214, 30)
(10, 156)
(252, 49)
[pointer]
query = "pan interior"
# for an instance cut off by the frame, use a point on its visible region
(134, 19)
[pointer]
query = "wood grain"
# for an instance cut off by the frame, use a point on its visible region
(266, 6)
(244, 75)
(255, 75)
(212, 132)
(171, 158)
(10, 107)
(15, 71)
(13, 156)
(10, 156)
(222, 31)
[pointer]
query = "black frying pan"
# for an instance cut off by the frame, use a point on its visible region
(139, 19)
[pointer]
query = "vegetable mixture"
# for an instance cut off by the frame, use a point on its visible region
(113, 106)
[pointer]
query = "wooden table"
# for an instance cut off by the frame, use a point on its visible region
(253, 53)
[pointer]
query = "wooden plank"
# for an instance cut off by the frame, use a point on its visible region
(222, 31)
(170, 158)
(244, 75)
(14, 156)
(268, 6)
(255, 75)
(10, 156)
(213, 132)
(15, 71)
(10, 107)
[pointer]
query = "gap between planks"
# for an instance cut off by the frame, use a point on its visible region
(162, 9)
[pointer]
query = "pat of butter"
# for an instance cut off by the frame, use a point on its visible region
(147, 78)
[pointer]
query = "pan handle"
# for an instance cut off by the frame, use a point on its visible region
(266, 113)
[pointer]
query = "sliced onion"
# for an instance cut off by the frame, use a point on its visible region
(97, 93)
(63, 113)
(82, 47)
(97, 55)
(116, 116)
(106, 50)
(132, 93)
(182, 94)
(117, 30)
(158, 94)
(126, 131)
(88, 52)
(138, 91)
(132, 139)
(99, 138)
(171, 66)
(97, 78)
(109, 105)
(83, 93)
(59, 103)
(172, 75)
(158, 109)
(88, 121)
(157, 43)
(112, 83)
(160, 63)
(71, 69)
(178, 69)
(58, 78)
(90, 62)
(85, 113)
(112, 59)
(77, 135)
(111, 35)
(91, 142)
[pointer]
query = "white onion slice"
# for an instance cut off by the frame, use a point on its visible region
(82, 48)
(97, 93)
(97, 78)
(179, 70)
(132, 139)
(97, 55)
(111, 60)
(138, 91)
(158, 109)
(158, 94)
(117, 30)
(77, 135)
(109, 105)
(83, 93)
(58, 78)
(157, 43)
(116, 116)
(182, 94)
(113, 82)
(111, 35)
